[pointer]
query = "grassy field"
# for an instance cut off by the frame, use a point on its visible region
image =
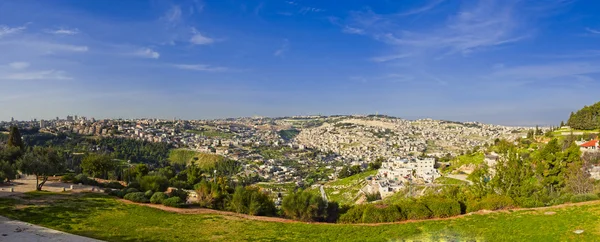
(351, 185)
(183, 156)
(102, 217)
(475, 158)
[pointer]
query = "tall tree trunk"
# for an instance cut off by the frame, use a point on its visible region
(40, 185)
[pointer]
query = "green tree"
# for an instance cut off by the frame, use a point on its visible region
(97, 165)
(40, 162)
(14, 138)
(7, 171)
(304, 206)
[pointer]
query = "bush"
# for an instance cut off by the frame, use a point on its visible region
(135, 185)
(373, 214)
(68, 177)
(114, 185)
(442, 207)
(149, 194)
(584, 197)
(129, 190)
(415, 210)
(116, 193)
(492, 202)
(158, 197)
(81, 178)
(353, 215)
(304, 206)
(138, 197)
(154, 183)
(182, 194)
(173, 202)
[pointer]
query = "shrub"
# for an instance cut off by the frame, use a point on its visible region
(492, 202)
(81, 178)
(135, 185)
(373, 196)
(158, 197)
(442, 207)
(353, 215)
(251, 201)
(68, 177)
(304, 206)
(114, 185)
(116, 193)
(414, 210)
(129, 190)
(584, 197)
(373, 214)
(149, 194)
(182, 194)
(173, 202)
(154, 183)
(137, 197)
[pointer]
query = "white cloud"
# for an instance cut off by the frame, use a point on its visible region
(37, 75)
(5, 30)
(147, 53)
(593, 31)
(200, 67)
(173, 15)
(19, 65)
(351, 30)
(63, 31)
(199, 39)
(284, 48)
(547, 71)
(423, 9)
(389, 57)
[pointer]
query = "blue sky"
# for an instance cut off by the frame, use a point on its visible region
(496, 61)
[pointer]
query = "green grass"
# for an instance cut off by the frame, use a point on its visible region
(105, 218)
(475, 158)
(204, 160)
(352, 184)
(449, 181)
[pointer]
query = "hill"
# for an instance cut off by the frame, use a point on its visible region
(106, 218)
(587, 118)
(184, 156)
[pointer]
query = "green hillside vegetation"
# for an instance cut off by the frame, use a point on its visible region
(349, 187)
(466, 159)
(101, 217)
(587, 118)
(288, 134)
(203, 160)
(212, 133)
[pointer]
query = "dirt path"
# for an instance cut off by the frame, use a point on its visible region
(283, 220)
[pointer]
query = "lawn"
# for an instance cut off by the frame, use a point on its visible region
(184, 156)
(102, 217)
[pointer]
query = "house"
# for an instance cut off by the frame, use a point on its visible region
(590, 145)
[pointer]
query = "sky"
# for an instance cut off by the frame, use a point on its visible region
(511, 62)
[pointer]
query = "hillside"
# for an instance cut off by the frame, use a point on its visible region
(106, 218)
(587, 118)
(183, 156)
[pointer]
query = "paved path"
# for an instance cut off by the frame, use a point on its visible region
(323, 194)
(12, 230)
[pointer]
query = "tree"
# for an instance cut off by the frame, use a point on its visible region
(14, 138)
(578, 179)
(154, 183)
(40, 162)
(7, 171)
(304, 206)
(97, 165)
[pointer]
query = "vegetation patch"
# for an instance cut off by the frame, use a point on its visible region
(203, 160)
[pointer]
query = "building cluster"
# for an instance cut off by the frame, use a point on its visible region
(396, 173)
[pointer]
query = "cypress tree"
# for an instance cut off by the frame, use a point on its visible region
(14, 138)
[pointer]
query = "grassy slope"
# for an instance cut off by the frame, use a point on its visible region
(105, 218)
(183, 156)
(347, 195)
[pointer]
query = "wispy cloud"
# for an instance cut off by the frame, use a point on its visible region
(5, 30)
(593, 31)
(284, 48)
(173, 15)
(37, 75)
(351, 30)
(201, 67)
(389, 57)
(63, 31)
(147, 53)
(547, 71)
(477, 26)
(306, 10)
(199, 39)
(422, 9)
(19, 65)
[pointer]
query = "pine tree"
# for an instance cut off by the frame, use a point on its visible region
(14, 138)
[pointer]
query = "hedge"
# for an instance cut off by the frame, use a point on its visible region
(136, 197)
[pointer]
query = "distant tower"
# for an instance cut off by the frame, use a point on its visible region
(12, 119)
(42, 124)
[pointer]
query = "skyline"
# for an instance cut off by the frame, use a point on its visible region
(500, 62)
